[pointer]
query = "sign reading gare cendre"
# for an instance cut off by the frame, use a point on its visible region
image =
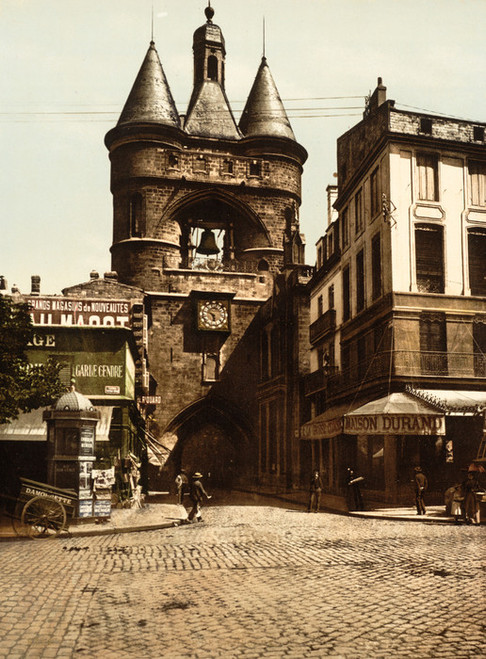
(79, 312)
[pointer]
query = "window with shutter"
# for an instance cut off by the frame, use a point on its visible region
(477, 183)
(477, 261)
(427, 168)
(429, 258)
(433, 344)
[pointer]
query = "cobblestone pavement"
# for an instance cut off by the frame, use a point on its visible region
(251, 581)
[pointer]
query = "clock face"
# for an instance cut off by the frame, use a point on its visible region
(213, 315)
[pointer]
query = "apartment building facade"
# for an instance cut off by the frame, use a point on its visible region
(398, 304)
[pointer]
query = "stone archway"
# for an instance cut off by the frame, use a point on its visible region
(213, 437)
(208, 449)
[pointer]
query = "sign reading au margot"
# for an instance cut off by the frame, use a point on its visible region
(77, 311)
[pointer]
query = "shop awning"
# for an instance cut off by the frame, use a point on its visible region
(451, 402)
(395, 414)
(31, 427)
(326, 425)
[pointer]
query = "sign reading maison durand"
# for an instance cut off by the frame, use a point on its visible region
(79, 312)
(394, 424)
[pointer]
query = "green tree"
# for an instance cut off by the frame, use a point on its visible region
(23, 387)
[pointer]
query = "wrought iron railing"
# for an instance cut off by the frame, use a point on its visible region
(404, 363)
(324, 324)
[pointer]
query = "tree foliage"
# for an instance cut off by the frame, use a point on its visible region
(23, 387)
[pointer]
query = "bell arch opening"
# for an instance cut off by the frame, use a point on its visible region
(218, 232)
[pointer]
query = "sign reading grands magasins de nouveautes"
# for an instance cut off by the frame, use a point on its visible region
(79, 311)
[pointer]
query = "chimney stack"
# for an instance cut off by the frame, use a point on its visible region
(35, 285)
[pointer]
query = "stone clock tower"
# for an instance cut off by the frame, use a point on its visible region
(203, 209)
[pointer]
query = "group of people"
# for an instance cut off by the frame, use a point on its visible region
(195, 489)
(465, 502)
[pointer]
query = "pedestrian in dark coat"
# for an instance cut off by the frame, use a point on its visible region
(315, 492)
(196, 494)
(182, 483)
(420, 481)
(355, 499)
(471, 503)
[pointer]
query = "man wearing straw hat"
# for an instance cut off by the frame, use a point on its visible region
(196, 494)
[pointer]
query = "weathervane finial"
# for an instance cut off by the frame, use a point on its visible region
(209, 11)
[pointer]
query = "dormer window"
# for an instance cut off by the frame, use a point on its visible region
(227, 166)
(426, 125)
(200, 163)
(173, 161)
(255, 168)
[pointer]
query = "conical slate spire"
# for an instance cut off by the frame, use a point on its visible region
(264, 112)
(150, 100)
(209, 113)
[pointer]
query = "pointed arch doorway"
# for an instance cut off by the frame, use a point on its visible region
(212, 440)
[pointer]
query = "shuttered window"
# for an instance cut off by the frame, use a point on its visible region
(428, 177)
(433, 344)
(346, 305)
(429, 258)
(376, 266)
(477, 261)
(360, 281)
(477, 183)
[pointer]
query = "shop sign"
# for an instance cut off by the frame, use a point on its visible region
(394, 424)
(70, 312)
(85, 508)
(112, 389)
(86, 445)
(149, 400)
(323, 429)
(102, 508)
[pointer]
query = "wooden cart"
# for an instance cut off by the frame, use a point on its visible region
(42, 510)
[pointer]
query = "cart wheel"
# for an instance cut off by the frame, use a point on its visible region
(43, 517)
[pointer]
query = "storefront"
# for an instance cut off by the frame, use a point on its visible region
(392, 435)
(384, 439)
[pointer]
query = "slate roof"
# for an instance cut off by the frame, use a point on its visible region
(150, 100)
(209, 113)
(264, 113)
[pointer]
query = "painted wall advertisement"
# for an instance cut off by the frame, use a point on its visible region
(78, 311)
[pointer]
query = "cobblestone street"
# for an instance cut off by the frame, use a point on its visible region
(251, 581)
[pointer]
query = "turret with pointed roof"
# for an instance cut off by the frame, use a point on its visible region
(264, 113)
(150, 100)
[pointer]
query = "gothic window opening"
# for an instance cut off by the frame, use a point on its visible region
(263, 266)
(210, 367)
(429, 258)
(477, 260)
(200, 163)
(212, 67)
(137, 228)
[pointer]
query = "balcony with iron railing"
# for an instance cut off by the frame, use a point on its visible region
(324, 324)
(399, 363)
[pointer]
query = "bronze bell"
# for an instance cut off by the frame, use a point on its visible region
(208, 243)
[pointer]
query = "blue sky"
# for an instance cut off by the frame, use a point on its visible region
(67, 66)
